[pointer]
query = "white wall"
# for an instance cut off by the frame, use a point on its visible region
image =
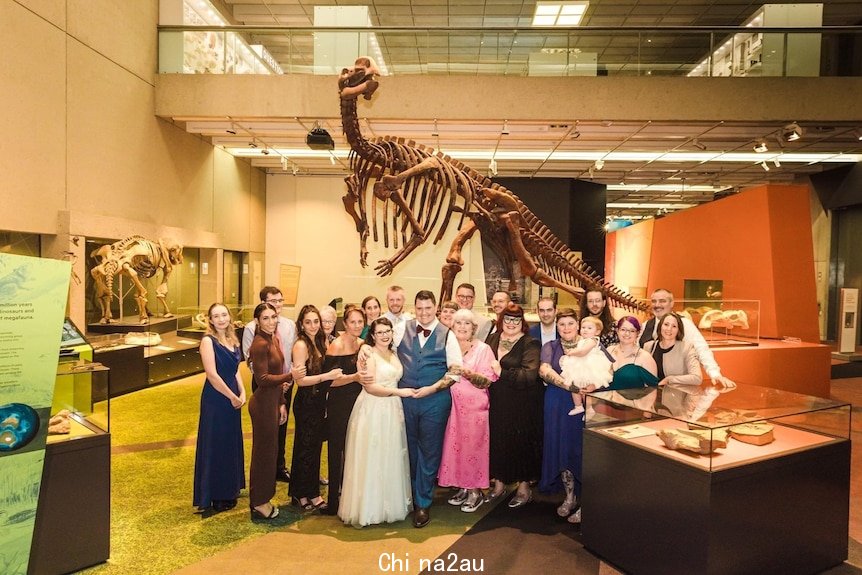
(306, 225)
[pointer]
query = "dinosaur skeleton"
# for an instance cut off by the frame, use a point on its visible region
(135, 257)
(421, 190)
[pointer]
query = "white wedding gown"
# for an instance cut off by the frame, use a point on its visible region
(376, 485)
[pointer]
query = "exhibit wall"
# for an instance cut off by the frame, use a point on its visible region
(758, 242)
(83, 154)
(627, 257)
(306, 226)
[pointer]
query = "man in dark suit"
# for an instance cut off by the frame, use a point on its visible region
(546, 329)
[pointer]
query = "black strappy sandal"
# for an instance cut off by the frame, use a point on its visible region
(258, 516)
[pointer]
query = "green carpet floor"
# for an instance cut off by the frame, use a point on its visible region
(154, 527)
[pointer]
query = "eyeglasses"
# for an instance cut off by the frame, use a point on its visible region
(328, 322)
(279, 300)
(385, 332)
(462, 296)
(511, 320)
(626, 330)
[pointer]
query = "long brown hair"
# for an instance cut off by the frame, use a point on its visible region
(605, 317)
(317, 347)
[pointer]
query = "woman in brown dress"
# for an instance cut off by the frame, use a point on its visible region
(267, 410)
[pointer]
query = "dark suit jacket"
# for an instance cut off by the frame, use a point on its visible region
(536, 331)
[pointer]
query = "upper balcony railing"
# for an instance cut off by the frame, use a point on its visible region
(590, 51)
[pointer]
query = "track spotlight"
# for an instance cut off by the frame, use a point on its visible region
(492, 168)
(505, 131)
(252, 144)
(265, 151)
(232, 129)
(764, 166)
(284, 163)
(435, 133)
(295, 169)
(600, 164)
(761, 147)
(792, 132)
(575, 133)
(776, 163)
(590, 172)
(698, 145)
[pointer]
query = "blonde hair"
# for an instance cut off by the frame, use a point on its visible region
(228, 338)
(595, 321)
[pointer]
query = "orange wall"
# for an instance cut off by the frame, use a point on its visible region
(758, 242)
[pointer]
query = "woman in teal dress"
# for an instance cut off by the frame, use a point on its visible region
(633, 367)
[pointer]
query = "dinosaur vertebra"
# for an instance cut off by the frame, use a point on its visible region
(428, 188)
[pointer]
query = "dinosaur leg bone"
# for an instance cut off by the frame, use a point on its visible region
(350, 200)
(103, 294)
(141, 293)
(454, 261)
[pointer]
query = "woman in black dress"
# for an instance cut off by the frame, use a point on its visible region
(516, 407)
(309, 409)
(343, 391)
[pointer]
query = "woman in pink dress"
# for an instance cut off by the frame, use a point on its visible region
(466, 443)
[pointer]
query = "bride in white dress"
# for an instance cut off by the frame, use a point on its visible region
(376, 486)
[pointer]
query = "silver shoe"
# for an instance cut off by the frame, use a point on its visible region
(575, 517)
(474, 501)
(565, 509)
(459, 497)
(519, 500)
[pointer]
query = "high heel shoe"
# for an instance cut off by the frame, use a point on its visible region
(307, 506)
(260, 516)
(565, 509)
(321, 506)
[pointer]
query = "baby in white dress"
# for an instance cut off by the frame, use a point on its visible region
(586, 364)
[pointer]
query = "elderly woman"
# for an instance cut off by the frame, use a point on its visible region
(562, 453)
(466, 442)
(675, 359)
(633, 366)
(267, 409)
(328, 319)
(516, 407)
(595, 304)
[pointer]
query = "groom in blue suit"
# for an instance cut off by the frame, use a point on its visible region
(431, 359)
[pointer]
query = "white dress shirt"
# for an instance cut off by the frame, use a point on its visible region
(399, 322)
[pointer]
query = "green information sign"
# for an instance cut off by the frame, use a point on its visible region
(33, 294)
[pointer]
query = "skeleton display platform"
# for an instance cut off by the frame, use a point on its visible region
(133, 324)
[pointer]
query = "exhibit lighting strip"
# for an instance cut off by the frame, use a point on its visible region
(586, 156)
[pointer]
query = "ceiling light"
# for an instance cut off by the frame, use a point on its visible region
(776, 162)
(858, 134)
(435, 133)
(492, 168)
(284, 163)
(792, 132)
(764, 166)
(252, 144)
(505, 131)
(232, 129)
(559, 13)
(599, 164)
(761, 147)
(265, 151)
(590, 172)
(575, 133)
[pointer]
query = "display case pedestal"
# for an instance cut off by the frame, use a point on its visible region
(73, 523)
(645, 513)
(132, 324)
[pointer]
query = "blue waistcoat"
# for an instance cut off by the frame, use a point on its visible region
(423, 366)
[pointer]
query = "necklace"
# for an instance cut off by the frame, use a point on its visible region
(567, 345)
(508, 344)
(628, 355)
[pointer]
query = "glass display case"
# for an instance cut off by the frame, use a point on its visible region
(723, 322)
(712, 430)
(715, 469)
(241, 314)
(81, 404)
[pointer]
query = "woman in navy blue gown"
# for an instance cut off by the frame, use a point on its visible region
(219, 464)
(562, 452)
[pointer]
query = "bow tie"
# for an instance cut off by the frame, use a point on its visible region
(423, 331)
